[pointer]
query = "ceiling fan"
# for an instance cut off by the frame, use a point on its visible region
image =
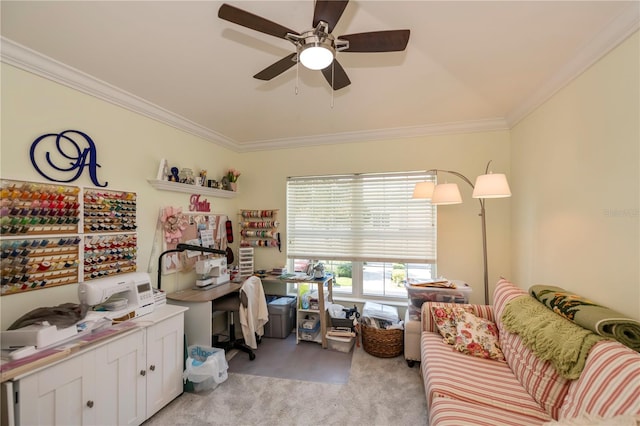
(316, 48)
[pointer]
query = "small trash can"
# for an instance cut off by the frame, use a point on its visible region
(206, 367)
(282, 315)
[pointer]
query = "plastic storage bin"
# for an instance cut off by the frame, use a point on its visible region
(340, 344)
(418, 295)
(282, 317)
(309, 327)
(309, 322)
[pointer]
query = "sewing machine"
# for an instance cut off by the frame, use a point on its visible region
(212, 271)
(121, 295)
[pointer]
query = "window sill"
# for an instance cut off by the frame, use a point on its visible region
(401, 303)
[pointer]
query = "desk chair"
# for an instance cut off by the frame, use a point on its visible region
(250, 297)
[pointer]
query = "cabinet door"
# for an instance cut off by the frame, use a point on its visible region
(165, 355)
(121, 381)
(63, 394)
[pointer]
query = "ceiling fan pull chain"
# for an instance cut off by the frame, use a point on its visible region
(297, 73)
(333, 73)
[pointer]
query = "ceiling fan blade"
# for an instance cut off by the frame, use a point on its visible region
(377, 41)
(255, 22)
(328, 11)
(336, 74)
(278, 68)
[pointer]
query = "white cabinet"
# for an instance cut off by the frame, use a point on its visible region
(165, 354)
(122, 381)
(63, 394)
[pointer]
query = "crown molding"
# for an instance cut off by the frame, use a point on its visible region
(486, 125)
(29, 60)
(618, 30)
(32, 61)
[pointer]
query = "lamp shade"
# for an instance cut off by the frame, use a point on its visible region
(492, 185)
(446, 193)
(316, 56)
(423, 190)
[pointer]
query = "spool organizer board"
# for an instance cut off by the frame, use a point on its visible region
(258, 228)
(109, 211)
(42, 240)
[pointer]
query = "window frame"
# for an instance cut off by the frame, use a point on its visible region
(357, 263)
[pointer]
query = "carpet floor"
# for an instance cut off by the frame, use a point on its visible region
(284, 359)
(379, 391)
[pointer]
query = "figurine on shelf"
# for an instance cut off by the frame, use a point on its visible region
(203, 177)
(173, 177)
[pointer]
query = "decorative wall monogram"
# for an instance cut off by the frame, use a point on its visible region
(66, 156)
(197, 205)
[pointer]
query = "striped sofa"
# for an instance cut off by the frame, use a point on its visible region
(466, 390)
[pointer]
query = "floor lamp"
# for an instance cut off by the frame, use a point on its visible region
(488, 185)
(182, 247)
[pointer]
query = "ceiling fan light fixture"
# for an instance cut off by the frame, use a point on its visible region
(316, 55)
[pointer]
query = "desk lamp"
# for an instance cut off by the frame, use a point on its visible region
(182, 247)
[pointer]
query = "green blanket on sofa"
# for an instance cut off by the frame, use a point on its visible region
(599, 319)
(551, 337)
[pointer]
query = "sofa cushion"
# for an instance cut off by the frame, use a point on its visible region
(452, 412)
(476, 336)
(452, 374)
(504, 292)
(541, 380)
(428, 324)
(445, 319)
(609, 384)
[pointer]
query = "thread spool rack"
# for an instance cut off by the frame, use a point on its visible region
(259, 228)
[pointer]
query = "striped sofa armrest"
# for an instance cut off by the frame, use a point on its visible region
(483, 311)
(609, 385)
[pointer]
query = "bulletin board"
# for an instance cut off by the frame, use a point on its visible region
(200, 229)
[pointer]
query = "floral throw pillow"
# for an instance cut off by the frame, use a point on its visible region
(477, 337)
(444, 318)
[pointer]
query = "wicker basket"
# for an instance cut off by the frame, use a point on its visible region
(382, 343)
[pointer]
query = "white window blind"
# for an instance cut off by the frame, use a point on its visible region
(366, 217)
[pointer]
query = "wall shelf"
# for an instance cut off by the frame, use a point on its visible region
(165, 185)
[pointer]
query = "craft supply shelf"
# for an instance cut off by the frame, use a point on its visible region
(191, 189)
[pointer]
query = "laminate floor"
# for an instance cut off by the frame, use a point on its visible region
(284, 359)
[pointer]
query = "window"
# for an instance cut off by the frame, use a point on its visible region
(367, 229)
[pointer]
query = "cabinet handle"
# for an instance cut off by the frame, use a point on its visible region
(90, 404)
(152, 367)
(143, 373)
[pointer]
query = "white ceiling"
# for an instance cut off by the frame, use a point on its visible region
(469, 65)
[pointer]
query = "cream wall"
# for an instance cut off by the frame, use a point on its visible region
(575, 175)
(129, 147)
(459, 234)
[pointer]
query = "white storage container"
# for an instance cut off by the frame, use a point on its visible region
(340, 344)
(418, 294)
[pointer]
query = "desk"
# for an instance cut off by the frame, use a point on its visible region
(197, 320)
